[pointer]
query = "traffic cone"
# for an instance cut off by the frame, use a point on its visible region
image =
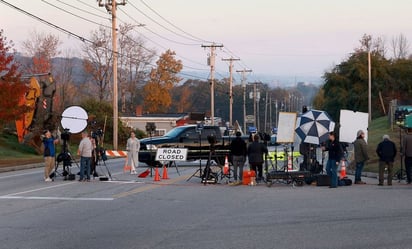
(157, 176)
(342, 170)
(144, 174)
(226, 167)
(126, 167)
(165, 176)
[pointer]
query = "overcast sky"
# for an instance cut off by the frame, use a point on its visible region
(279, 40)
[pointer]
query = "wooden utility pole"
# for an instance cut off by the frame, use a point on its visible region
(243, 72)
(211, 63)
(231, 60)
(111, 6)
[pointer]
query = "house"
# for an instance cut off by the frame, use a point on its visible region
(161, 123)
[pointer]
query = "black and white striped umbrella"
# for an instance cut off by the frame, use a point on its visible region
(314, 127)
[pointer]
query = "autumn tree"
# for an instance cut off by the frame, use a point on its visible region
(12, 89)
(157, 97)
(97, 63)
(42, 48)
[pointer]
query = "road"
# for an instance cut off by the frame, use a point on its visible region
(131, 212)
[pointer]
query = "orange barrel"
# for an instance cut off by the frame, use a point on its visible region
(247, 174)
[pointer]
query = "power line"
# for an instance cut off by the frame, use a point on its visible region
(154, 11)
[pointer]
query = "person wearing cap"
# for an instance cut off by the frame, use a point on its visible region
(49, 154)
(406, 151)
(361, 155)
(386, 151)
(238, 150)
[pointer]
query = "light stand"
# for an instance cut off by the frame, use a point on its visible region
(150, 128)
(199, 129)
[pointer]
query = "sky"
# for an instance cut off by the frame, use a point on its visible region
(280, 41)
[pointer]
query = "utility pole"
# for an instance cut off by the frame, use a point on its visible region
(211, 63)
(111, 6)
(256, 98)
(369, 88)
(230, 88)
(244, 71)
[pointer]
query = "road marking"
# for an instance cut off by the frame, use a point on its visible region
(55, 198)
(39, 189)
(151, 186)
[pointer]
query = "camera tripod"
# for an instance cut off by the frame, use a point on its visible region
(66, 158)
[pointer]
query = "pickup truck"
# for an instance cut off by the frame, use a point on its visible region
(199, 143)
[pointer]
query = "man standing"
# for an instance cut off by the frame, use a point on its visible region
(49, 154)
(361, 155)
(334, 156)
(85, 153)
(238, 150)
(406, 151)
(255, 153)
(386, 151)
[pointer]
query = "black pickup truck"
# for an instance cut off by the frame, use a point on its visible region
(199, 142)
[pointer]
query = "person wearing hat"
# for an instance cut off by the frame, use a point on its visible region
(335, 155)
(361, 155)
(238, 150)
(386, 151)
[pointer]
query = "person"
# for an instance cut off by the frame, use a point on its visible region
(85, 153)
(255, 152)
(238, 150)
(386, 151)
(335, 154)
(361, 155)
(406, 151)
(133, 147)
(49, 154)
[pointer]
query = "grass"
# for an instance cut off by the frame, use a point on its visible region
(376, 130)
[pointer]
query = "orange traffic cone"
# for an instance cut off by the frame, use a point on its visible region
(226, 167)
(157, 176)
(126, 167)
(165, 176)
(342, 170)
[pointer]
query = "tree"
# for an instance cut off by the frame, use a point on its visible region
(133, 62)
(42, 48)
(157, 98)
(400, 47)
(97, 62)
(12, 89)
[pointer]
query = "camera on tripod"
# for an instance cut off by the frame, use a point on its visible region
(97, 133)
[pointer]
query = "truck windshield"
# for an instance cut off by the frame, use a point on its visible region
(175, 132)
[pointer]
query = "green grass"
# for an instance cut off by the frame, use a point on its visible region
(377, 129)
(11, 148)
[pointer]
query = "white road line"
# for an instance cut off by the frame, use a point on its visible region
(39, 189)
(55, 198)
(21, 174)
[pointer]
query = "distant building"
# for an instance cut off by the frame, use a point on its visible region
(163, 122)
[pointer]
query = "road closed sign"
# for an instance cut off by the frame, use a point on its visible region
(171, 154)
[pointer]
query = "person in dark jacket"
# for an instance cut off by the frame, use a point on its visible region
(335, 154)
(386, 151)
(361, 155)
(255, 152)
(406, 151)
(238, 150)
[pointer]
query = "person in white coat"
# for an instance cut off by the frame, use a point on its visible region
(133, 147)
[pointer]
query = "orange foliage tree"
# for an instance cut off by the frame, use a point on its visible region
(12, 89)
(157, 97)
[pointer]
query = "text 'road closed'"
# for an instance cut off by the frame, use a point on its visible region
(171, 154)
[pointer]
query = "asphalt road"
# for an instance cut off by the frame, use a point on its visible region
(131, 212)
